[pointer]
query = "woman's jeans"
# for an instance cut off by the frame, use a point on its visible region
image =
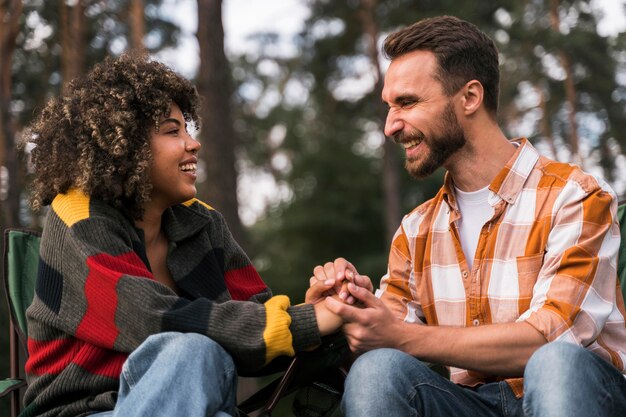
(177, 374)
(561, 380)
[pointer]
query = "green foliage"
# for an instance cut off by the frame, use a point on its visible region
(37, 59)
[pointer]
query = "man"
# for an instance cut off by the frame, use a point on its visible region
(508, 272)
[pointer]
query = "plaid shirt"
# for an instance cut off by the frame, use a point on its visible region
(548, 256)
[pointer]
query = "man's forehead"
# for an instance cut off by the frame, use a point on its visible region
(410, 74)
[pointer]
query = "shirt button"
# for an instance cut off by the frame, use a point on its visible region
(476, 322)
(464, 274)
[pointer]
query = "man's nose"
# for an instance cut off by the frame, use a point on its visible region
(393, 123)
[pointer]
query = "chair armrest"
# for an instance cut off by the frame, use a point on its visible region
(9, 385)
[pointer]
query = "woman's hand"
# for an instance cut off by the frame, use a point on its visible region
(332, 279)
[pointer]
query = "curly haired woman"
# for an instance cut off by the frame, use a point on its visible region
(144, 304)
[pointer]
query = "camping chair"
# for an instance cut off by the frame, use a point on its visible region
(21, 261)
(317, 374)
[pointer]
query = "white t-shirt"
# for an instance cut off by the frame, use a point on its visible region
(475, 212)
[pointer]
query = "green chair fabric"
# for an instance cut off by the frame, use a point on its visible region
(21, 261)
(8, 385)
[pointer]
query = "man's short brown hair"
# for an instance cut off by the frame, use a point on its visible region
(463, 52)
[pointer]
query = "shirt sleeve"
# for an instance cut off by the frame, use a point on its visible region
(397, 286)
(575, 290)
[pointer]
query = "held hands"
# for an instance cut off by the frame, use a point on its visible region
(331, 280)
(343, 299)
(372, 325)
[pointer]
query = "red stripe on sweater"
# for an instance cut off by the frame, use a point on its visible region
(98, 324)
(50, 357)
(99, 361)
(243, 283)
(53, 356)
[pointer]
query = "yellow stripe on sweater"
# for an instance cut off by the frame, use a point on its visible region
(195, 200)
(277, 337)
(71, 207)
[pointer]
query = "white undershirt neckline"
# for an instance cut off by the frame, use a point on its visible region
(475, 212)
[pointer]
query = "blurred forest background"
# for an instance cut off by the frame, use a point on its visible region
(309, 123)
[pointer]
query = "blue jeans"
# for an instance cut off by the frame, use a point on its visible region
(387, 382)
(177, 374)
(562, 379)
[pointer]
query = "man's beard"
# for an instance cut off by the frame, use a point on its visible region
(447, 138)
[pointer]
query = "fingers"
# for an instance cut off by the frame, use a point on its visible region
(344, 269)
(337, 274)
(319, 273)
(364, 295)
(344, 294)
(337, 270)
(347, 312)
(364, 281)
(318, 289)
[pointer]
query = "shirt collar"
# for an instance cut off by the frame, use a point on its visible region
(509, 182)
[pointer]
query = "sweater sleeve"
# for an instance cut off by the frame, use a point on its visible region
(106, 295)
(244, 282)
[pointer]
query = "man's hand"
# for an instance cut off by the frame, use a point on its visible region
(373, 326)
(332, 279)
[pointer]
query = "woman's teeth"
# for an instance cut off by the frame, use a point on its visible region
(188, 167)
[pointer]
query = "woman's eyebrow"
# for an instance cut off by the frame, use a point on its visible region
(171, 120)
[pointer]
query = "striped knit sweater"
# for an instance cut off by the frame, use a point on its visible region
(96, 300)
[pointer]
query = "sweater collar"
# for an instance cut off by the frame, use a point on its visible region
(185, 220)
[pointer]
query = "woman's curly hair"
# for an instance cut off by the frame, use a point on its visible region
(96, 136)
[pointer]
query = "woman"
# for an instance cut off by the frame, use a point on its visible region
(145, 304)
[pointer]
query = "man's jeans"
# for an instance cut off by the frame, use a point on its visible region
(561, 380)
(177, 374)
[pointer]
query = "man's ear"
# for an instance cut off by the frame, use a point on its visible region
(472, 97)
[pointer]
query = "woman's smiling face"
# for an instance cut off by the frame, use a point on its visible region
(174, 161)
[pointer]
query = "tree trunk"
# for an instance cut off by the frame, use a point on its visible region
(137, 25)
(390, 183)
(546, 130)
(10, 13)
(570, 88)
(72, 25)
(217, 133)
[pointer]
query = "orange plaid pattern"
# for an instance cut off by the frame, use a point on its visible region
(548, 256)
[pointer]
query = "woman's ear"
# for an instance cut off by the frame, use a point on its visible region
(472, 98)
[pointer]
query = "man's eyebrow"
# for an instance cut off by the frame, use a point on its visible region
(406, 97)
(402, 98)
